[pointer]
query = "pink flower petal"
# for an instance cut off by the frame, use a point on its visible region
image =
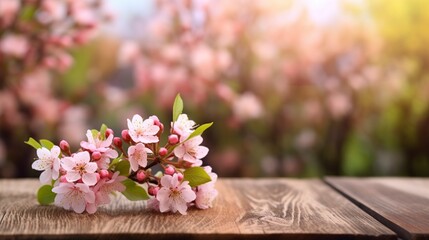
(89, 178)
(68, 163)
(179, 151)
(78, 205)
(166, 181)
(91, 167)
(201, 152)
(72, 176)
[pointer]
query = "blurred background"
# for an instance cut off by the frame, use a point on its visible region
(300, 88)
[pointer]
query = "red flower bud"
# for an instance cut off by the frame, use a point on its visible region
(170, 170)
(141, 175)
(163, 151)
(173, 139)
(125, 135)
(64, 145)
(96, 156)
(108, 132)
(153, 190)
(104, 173)
(117, 142)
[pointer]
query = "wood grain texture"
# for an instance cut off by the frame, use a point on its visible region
(400, 203)
(245, 208)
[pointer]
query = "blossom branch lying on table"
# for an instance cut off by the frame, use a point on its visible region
(106, 164)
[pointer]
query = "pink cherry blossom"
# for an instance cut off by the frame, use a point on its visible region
(247, 106)
(174, 195)
(142, 131)
(137, 155)
(73, 196)
(206, 193)
(103, 190)
(96, 144)
(14, 45)
(48, 162)
(190, 150)
(183, 126)
(78, 166)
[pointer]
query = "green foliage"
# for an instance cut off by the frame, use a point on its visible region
(133, 191)
(32, 142)
(103, 131)
(177, 107)
(45, 196)
(196, 176)
(200, 130)
(123, 167)
(358, 157)
(46, 143)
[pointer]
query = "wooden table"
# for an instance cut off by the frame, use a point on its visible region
(333, 208)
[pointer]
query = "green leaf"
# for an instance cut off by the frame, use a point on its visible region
(196, 176)
(133, 191)
(177, 107)
(103, 131)
(123, 167)
(114, 162)
(95, 133)
(33, 143)
(200, 130)
(46, 143)
(45, 196)
(28, 12)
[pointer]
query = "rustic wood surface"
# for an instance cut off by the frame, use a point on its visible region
(245, 208)
(402, 204)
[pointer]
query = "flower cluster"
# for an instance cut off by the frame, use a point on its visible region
(105, 164)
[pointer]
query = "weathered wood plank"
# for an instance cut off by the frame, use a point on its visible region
(400, 203)
(245, 208)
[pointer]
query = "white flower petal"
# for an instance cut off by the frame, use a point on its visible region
(62, 188)
(43, 153)
(81, 157)
(46, 176)
(39, 165)
(55, 151)
(149, 139)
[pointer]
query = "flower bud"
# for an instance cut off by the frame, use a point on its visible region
(163, 151)
(141, 175)
(173, 139)
(169, 170)
(153, 190)
(64, 145)
(63, 179)
(96, 155)
(117, 142)
(125, 135)
(179, 176)
(155, 120)
(104, 173)
(108, 132)
(97, 175)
